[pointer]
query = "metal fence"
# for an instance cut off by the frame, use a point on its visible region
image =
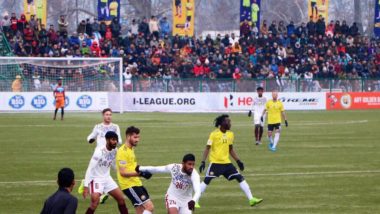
(207, 85)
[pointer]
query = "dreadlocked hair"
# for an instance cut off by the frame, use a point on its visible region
(219, 120)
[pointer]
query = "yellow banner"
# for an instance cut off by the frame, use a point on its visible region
(183, 17)
(318, 8)
(37, 8)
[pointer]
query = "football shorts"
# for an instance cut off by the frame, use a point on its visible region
(138, 195)
(102, 186)
(228, 170)
(276, 126)
(180, 204)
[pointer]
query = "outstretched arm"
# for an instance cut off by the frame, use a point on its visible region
(196, 180)
(233, 153)
(156, 169)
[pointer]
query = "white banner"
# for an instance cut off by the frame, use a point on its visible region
(211, 102)
(44, 101)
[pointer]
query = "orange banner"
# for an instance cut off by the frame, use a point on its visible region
(353, 100)
(318, 8)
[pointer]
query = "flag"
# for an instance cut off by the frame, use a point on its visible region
(36, 8)
(108, 10)
(377, 18)
(318, 8)
(183, 17)
(250, 10)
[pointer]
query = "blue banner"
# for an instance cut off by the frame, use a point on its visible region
(377, 18)
(108, 10)
(250, 10)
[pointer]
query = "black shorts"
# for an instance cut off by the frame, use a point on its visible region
(313, 4)
(103, 4)
(137, 195)
(177, 3)
(272, 127)
(188, 18)
(30, 1)
(228, 170)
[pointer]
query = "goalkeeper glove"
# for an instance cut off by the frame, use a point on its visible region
(286, 123)
(240, 164)
(91, 141)
(146, 175)
(202, 167)
(191, 205)
(249, 113)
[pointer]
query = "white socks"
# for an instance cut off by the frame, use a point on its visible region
(203, 187)
(276, 139)
(245, 187)
(147, 212)
(270, 139)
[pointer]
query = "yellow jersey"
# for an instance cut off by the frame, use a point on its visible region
(113, 8)
(220, 146)
(189, 7)
(274, 110)
(126, 158)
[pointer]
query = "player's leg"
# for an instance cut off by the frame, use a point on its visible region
(231, 173)
(212, 172)
(62, 112)
(261, 131)
(277, 135)
(270, 130)
(171, 205)
(117, 194)
(95, 198)
(55, 113)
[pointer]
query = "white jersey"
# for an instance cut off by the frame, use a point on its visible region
(100, 164)
(99, 133)
(182, 184)
(258, 108)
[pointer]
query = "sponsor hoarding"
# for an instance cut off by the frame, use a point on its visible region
(353, 100)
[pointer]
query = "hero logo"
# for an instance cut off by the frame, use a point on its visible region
(231, 101)
(39, 102)
(67, 101)
(84, 101)
(302, 100)
(17, 101)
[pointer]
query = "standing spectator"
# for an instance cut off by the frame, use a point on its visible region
(88, 27)
(33, 22)
(28, 34)
(81, 27)
(245, 28)
(102, 28)
(330, 29)
(273, 28)
(290, 28)
(21, 23)
(62, 26)
(153, 27)
(144, 28)
(5, 23)
(96, 28)
(281, 28)
(321, 26)
(62, 202)
(17, 84)
(311, 27)
(134, 27)
(344, 28)
(42, 34)
(52, 35)
(165, 27)
(354, 30)
(115, 28)
(13, 25)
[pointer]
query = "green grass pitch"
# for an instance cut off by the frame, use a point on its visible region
(327, 162)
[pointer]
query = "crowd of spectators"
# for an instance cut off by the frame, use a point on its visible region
(313, 50)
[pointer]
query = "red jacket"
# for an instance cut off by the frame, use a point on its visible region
(198, 70)
(14, 23)
(28, 34)
(95, 49)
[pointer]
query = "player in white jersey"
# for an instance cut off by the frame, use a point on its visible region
(258, 108)
(98, 179)
(185, 179)
(101, 129)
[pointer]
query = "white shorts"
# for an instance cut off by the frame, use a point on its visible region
(102, 185)
(180, 204)
(257, 119)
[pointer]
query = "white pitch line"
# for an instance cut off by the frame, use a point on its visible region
(246, 175)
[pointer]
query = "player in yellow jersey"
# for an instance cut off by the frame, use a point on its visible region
(189, 14)
(275, 110)
(219, 148)
(129, 179)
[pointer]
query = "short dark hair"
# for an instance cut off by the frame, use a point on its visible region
(188, 157)
(106, 109)
(132, 130)
(111, 134)
(219, 120)
(65, 177)
(260, 88)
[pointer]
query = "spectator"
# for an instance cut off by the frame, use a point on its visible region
(21, 23)
(164, 27)
(245, 28)
(14, 22)
(134, 27)
(354, 30)
(88, 27)
(311, 27)
(154, 27)
(144, 27)
(81, 27)
(17, 84)
(62, 202)
(115, 28)
(321, 26)
(290, 28)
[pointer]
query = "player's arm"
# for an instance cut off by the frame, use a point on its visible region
(196, 180)
(119, 135)
(284, 116)
(236, 158)
(127, 174)
(64, 96)
(91, 138)
(156, 169)
(93, 162)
